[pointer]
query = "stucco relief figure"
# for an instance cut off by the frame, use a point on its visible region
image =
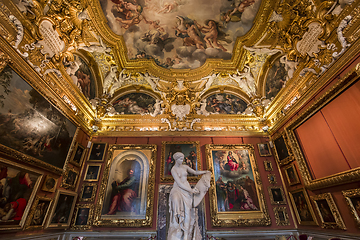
(123, 194)
(183, 201)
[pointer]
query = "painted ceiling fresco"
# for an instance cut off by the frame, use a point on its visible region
(180, 33)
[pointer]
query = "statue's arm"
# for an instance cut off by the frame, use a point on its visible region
(192, 171)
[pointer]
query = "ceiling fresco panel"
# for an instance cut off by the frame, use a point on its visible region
(180, 34)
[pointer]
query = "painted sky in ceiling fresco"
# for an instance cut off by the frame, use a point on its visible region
(224, 103)
(180, 33)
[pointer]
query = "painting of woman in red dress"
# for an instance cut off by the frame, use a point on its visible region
(232, 163)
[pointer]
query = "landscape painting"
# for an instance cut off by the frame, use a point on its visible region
(224, 103)
(30, 124)
(168, 32)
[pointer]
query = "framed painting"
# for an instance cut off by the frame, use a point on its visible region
(22, 184)
(38, 212)
(236, 195)
(276, 194)
(88, 192)
(83, 216)
(302, 207)
(281, 216)
(283, 153)
(291, 175)
(329, 214)
(264, 149)
(62, 209)
(69, 179)
(191, 151)
(32, 129)
(77, 155)
(352, 198)
(268, 166)
(272, 178)
(49, 184)
(92, 173)
(126, 196)
(97, 152)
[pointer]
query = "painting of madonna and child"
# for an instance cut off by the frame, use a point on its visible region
(175, 33)
(234, 180)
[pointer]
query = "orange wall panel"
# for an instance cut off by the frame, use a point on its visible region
(319, 147)
(343, 118)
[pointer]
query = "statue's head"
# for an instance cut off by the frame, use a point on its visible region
(178, 156)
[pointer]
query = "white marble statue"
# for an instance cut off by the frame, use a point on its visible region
(110, 79)
(102, 48)
(245, 81)
(209, 81)
(183, 201)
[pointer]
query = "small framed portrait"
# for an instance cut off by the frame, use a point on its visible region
(88, 192)
(191, 150)
(92, 172)
(69, 178)
(328, 212)
(38, 213)
(83, 216)
(291, 175)
(62, 209)
(277, 195)
(264, 149)
(77, 155)
(272, 178)
(49, 184)
(302, 207)
(283, 153)
(281, 216)
(352, 197)
(268, 166)
(97, 152)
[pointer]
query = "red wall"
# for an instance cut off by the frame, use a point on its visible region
(203, 141)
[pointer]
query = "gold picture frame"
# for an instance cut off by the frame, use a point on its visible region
(329, 214)
(190, 149)
(291, 175)
(302, 207)
(50, 184)
(281, 216)
(29, 177)
(92, 173)
(97, 152)
(121, 160)
(283, 153)
(246, 214)
(78, 154)
(264, 149)
(352, 198)
(268, 166)
(38, 213)
(70, 178)
(88, 192)
(83, 217)
(310, 183)
(272, 178)
(276, 194)
(62, 209)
